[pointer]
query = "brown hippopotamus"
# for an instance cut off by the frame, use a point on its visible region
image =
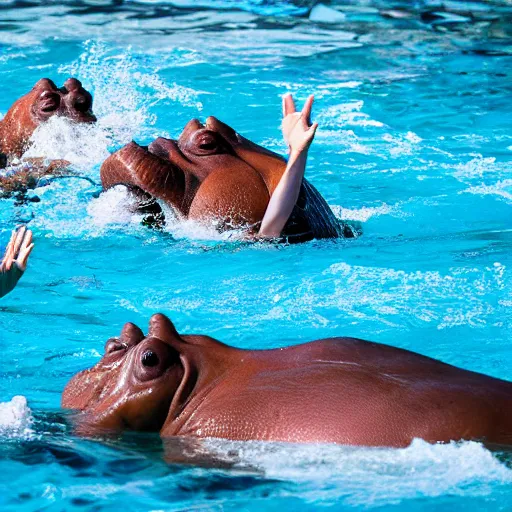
(214, 175)
(25, 115)
(336, 390)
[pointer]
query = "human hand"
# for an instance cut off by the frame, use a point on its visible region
(298, 131)
(18, 250)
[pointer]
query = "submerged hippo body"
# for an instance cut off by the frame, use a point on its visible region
(214, 175)
(339, 390)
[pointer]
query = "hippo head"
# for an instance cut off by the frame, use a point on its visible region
(42, 102)
(143, 382)
(174, 170)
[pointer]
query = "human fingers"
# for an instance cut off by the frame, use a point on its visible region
(22, 259)
(27, 239)
(10, 245)
(312, 129)
(19, 240)
(9, 253)
(288, 105)
(306, 110)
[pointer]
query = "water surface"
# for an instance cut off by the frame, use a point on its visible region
(414, 142)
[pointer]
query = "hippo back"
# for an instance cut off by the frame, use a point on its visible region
(313, 218)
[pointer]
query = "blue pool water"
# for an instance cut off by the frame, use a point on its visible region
(414, 142)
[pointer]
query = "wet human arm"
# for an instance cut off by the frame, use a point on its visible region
(284, 198)
(15, 259)
(298, 132)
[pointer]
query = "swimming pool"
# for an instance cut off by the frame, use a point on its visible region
(414, 142)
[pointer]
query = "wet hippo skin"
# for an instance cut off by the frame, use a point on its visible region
(340, 390)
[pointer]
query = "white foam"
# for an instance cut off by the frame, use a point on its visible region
(114, 206)
(348, 114)
(475, 168)
(501, 189)
(123, 97)
(372, 476)
(191, 229)
(402, 144)
(350, 84)
(123, 94)
(16, 418)
(83, 145)
(365, 213)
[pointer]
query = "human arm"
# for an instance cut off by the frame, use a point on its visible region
(298, 132)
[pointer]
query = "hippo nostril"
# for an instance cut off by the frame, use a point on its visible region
(114, 345)
(72, 84)
(49, 101)
(81, 103)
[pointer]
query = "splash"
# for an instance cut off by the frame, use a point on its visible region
(190, 229)
(365, 213)
(114, 206)
(371, 476)
(83, 145)
(123, 94)
(346, 114)
(475, 168)
(501, 189)
(16, 418)
(124, 97)
(109, 78)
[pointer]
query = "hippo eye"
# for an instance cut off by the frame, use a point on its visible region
(155, 358)
(205, 142)
(208, 144)
(149, 359)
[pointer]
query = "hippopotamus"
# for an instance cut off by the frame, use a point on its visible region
(25, 115)
(216, 176)
(335, 390)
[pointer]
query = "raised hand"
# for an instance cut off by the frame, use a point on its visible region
(18, 250)
(298, 131)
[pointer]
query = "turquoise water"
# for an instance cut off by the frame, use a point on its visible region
(414, 142)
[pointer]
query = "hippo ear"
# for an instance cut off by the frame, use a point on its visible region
(162, 328)
(131, 334)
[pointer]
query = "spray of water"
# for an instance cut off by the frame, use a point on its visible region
(16, 418)
(370, 476)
